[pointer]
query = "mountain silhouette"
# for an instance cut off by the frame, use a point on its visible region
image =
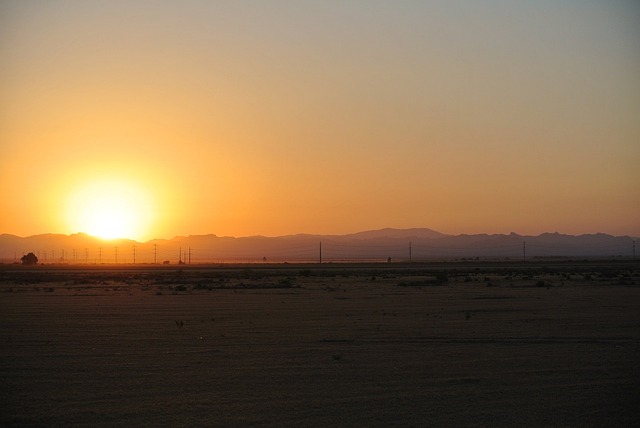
(373, 245)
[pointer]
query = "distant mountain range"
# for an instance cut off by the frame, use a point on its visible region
(375, 245)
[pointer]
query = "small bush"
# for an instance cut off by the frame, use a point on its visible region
(286, 283)
(442, 277)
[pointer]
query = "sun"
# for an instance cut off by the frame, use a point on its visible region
(110, 209)
(109, 217)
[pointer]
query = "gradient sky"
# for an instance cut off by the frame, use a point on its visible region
(282, 117)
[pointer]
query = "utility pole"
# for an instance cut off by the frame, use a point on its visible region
(155, 254)
(116, 255)
(189, 255)
(100, 255)
(134, 254)
(320, 258)
(180, 256)
(86, 255)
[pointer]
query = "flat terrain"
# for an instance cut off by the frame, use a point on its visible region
(284, 345)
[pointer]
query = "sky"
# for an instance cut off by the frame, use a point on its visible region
(152, 119)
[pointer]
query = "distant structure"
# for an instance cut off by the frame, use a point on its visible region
(29, 259)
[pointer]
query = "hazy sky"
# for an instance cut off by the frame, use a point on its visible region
(280, 117)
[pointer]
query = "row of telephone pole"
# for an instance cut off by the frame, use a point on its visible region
(524, 252)
(77, 257)
(184, 256)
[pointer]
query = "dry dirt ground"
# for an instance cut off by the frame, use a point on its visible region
(376, 345)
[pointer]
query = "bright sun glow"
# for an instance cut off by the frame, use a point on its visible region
(110, 209)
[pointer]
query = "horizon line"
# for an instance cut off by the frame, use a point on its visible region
(322, 234)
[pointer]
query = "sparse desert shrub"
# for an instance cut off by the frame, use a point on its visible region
(286, 283)
(442, 277)
(609, 273)
(203, 286)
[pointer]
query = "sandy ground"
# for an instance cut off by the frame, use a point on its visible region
(347, 346)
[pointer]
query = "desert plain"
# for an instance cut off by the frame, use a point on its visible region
(421, 344)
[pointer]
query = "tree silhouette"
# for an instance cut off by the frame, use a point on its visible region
(29, 259)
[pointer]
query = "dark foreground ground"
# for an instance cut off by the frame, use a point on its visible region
(377, 345)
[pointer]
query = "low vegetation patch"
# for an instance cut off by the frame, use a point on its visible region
(440, 279)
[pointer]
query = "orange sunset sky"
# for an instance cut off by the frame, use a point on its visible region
(151, 119)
